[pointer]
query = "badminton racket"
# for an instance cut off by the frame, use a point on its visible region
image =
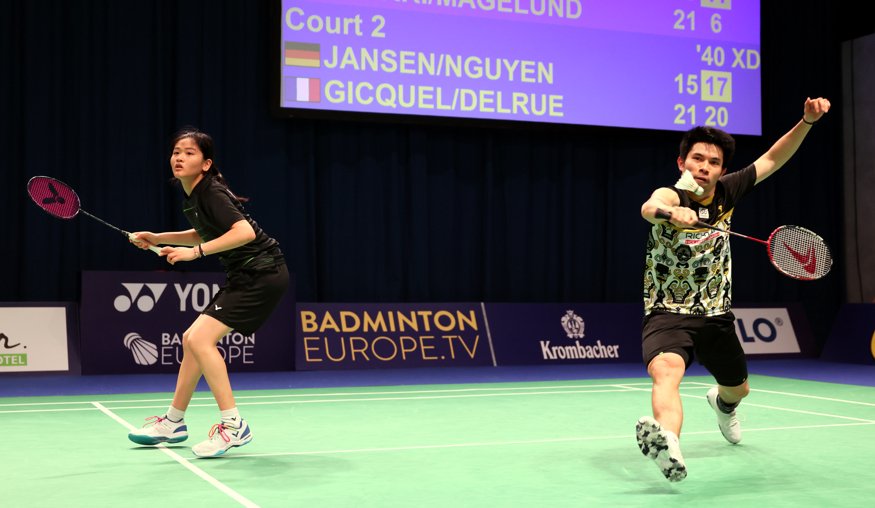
(60, 200)
(793, 250)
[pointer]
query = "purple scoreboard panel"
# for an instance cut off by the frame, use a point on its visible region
(652, 64)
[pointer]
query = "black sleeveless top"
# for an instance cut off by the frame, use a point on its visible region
(212, 209)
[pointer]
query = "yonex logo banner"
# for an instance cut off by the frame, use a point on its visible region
(361, 336)
(133, 322)
(565, 333)
(135, 298)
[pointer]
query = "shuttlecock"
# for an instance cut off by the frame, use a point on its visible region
(687, 183)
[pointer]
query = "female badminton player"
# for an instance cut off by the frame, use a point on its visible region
(256, 280)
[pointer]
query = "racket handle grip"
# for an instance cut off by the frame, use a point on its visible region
(662, 214)
(666, 215)
(153, 248)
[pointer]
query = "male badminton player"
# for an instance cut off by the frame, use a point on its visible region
(257, 277)
(688, 283)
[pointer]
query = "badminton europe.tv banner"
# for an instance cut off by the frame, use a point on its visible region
(362, 336)
(132, 322)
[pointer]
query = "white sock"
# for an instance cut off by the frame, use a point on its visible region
(231, 417)
(175, 415)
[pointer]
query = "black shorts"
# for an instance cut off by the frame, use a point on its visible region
(712, 340)
(249, 296)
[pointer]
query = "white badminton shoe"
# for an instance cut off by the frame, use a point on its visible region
(729, 425)
(662, 446)
(159, 429)
(222, 438)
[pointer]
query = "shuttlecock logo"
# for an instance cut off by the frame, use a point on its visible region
(143, 351)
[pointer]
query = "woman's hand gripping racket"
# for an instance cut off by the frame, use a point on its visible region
(795, 251)
(61, 201)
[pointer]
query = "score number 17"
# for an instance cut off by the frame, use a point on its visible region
(716, 86)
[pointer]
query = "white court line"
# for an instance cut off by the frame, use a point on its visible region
(456, 394)
(178, 458)
(211, 403)
(25, 404)
(55, 410)
(517, 442)
(802, 411)
(332, 394)
(384, 399)
(316, 401)
(830, 399)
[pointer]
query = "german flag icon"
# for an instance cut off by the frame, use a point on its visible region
(301, 54)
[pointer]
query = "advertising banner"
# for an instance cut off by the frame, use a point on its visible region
(852, 338)
(132, 322)
(358, 335)
(556, 333)
(767, 331)
(611, 332)
(333, 336)
(37, 337)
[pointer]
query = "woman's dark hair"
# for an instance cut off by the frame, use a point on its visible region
(711, 136)
(205, 143)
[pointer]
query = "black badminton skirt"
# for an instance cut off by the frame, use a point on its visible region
(249, 297)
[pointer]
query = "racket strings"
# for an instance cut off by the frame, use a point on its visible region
(799, 253)
(54, 197)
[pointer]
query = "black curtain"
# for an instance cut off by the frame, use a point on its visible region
(91, 92)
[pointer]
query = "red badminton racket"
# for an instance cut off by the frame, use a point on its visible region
(795, 251)
(60, 200)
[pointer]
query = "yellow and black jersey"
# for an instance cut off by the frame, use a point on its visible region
(689, 271)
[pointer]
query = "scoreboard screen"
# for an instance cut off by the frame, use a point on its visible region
(651, 64)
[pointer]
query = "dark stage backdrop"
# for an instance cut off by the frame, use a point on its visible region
(91, 91)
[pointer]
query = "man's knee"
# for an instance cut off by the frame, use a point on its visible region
(737, 392)
(666, 366)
